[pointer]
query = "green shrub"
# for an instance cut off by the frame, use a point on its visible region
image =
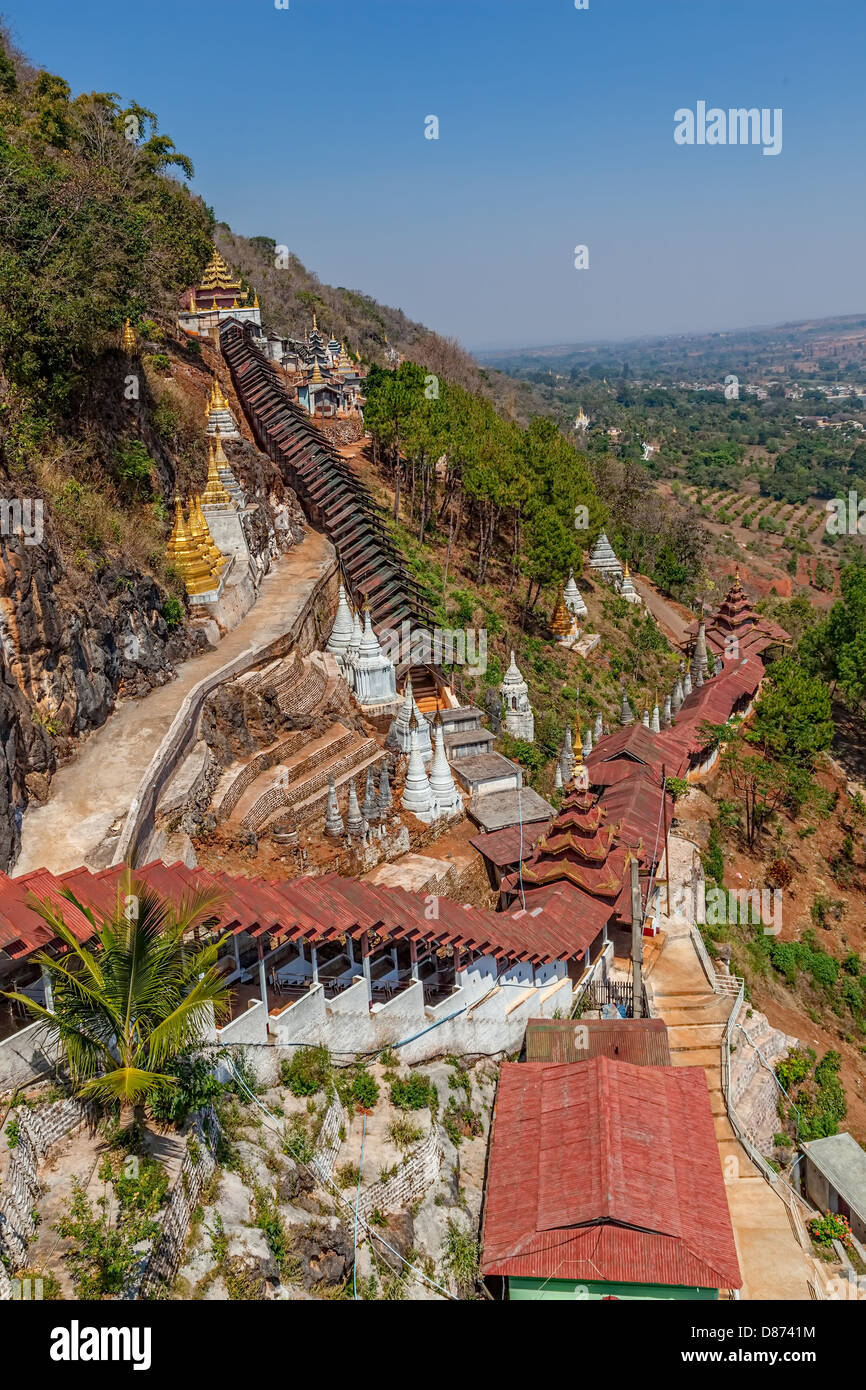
(307, 1072)
(414, 1093)
(365, 1090)
(172, 612)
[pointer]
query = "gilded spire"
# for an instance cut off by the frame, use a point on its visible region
(218, 276)
(317, 375)
(128, 337)
(215, 493)
(184, 555)
(193, 307)
(219, 453)
(213, 556)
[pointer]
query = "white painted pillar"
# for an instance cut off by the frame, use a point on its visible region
(263, 979)
(314, 957)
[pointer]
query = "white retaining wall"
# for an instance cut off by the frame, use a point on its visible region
(487, 1021)
(25, 1056)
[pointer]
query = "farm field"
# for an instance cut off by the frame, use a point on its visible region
(784, 545)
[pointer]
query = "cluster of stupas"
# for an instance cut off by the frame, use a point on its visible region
(689, 678)
(192, 551)
(325, 378)
(568, 757)
(427, 793)
(218, 414)
(361, 818)
(366, 669)
(432, 795)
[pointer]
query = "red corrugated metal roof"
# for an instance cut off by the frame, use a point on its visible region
(503, 847)
(601, 1170)
(313, 909)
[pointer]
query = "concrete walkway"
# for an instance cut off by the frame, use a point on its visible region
(94, 791)
(772, 1261)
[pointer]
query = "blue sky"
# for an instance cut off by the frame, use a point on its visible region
(556, 129)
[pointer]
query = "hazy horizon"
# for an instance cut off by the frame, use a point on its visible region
(556, 130)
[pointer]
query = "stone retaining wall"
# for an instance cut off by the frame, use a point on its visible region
(328, 1141)
(198, 1165)
(38, 1132)
(259, 763)
(308, 781)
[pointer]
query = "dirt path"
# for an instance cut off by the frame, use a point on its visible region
(672, 618)
(95, 790)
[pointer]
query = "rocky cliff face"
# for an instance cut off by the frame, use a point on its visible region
(68, 649)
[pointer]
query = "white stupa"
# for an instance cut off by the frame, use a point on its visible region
(341, 632)
(517, 711)
(442, 785)
(627, 589)
(417, 796)
(573, 598)
(400, 733)
(603, 561)
(375, 678)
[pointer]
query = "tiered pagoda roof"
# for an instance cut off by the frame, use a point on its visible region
(583, 850)
(736, 618)
(218, 288)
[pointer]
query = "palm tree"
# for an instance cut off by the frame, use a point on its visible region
(135, 999)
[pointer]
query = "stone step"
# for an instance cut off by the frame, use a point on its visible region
(291, 767)
(343, 756)
(684, 1038)
(717, 1011)
(707, 1057)
(315, 804)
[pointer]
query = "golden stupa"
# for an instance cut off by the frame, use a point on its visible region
(344, 361)
(185, 556)
(128, 337)
(317, 377)
(215, 493)
(562, 622)
(201, 532)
